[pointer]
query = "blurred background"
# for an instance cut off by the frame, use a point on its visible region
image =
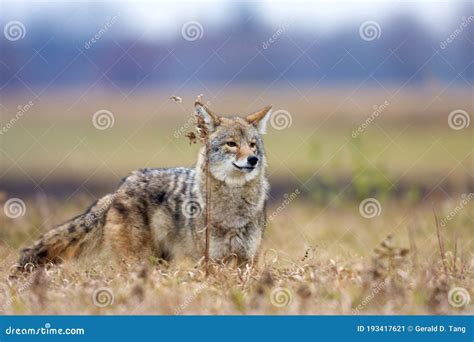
(370, 98)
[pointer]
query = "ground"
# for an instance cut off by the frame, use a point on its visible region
(334, 262)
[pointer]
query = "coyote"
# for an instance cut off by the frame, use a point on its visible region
(160, 212)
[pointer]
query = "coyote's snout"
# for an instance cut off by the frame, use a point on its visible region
(159, 212)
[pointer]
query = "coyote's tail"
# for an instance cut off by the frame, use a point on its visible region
(71, 238)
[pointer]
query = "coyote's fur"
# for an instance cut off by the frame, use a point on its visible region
(160, 212)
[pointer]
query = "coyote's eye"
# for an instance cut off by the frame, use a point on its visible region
(252, 145)
(231, 144)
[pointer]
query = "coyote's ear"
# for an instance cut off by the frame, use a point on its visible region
(259, 119)
(205, 117)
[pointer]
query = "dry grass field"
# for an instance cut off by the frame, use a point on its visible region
(322, 252)
(333, 262)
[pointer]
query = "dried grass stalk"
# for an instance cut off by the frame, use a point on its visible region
(203, 136)
(208, 209)
(441, 244)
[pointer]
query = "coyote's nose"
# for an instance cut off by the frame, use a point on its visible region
(252, 160)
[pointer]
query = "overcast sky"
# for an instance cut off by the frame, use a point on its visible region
(161, 19)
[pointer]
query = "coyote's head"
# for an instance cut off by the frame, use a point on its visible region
(236, 147)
